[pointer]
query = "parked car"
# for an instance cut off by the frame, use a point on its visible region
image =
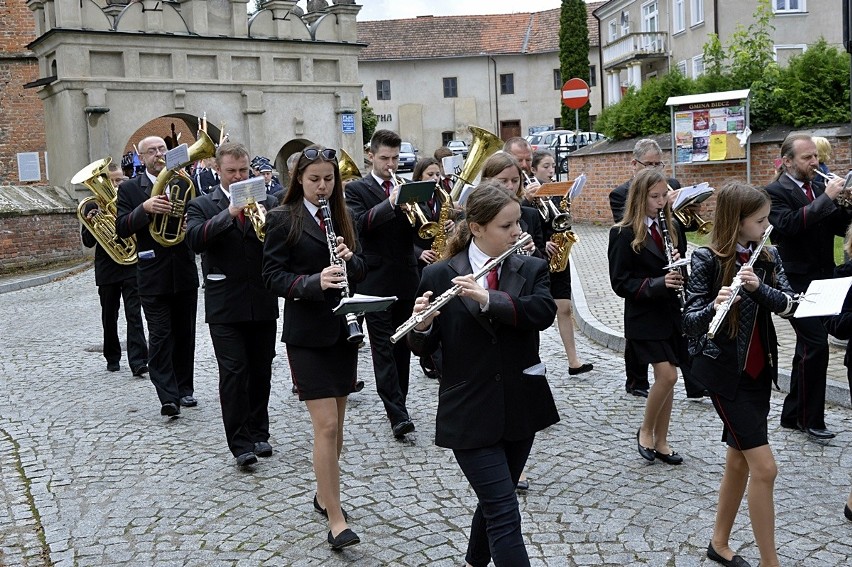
(407, 156)
(542, 140)
(564, 144)
(458, 147)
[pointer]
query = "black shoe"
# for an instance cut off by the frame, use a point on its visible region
(430, 372)
(699, 395)
(847, 512)
(170, 409)
(263, 449)
(638, 392)
(671, 459)
(523, 485)
(246, 459)
(113, 366)
(359, 385)
(647, 453)
(344, 539)
(580, 369)
(403, 427)
(735, 561)
(324, 512)
(819, 433)
(141, 371)
(188, 402)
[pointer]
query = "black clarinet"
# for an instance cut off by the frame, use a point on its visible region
(672, 265)
(356, 335)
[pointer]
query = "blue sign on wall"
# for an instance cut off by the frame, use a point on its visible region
(348, 123)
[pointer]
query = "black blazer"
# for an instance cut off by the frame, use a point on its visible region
(106, 271)
(172, 269)
(387, 241)
(293, 272)
(483, 396)
(651, 310)
(234, 290)
(804, 232)
(531, 223)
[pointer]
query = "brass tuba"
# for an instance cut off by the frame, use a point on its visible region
(102, 225)
(484, 144)
(168, 229)
(348, 168)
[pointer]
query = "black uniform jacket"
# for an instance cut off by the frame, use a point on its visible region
(718, 363)
(234, 290)
(172, 268)
(293, 272)
(484, 396)
(387, 241)
(651, 310)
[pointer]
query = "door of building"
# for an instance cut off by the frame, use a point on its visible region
(509, 129)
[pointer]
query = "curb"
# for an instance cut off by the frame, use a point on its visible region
(42, 278)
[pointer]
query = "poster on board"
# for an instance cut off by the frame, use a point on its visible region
(707, 131)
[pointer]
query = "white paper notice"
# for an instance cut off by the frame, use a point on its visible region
(251, 190)
(824, 297)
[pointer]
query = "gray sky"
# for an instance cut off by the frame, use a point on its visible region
(398, 9)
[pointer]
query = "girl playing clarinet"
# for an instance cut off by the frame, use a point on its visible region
(739, 364)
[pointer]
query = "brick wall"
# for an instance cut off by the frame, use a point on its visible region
(606, 171)
(21, 110)
(32, 241)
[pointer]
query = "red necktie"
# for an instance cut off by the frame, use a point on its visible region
(320, 220)
(491, 279)
(655, 234)
(744, 257)
(807, 187)
(242, 219)
(387, 185)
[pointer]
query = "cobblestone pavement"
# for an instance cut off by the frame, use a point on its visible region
(92, 475)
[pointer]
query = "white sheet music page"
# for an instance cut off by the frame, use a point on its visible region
(691, 191)
(248, 191)
(824, 297)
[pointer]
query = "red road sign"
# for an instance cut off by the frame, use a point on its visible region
(575, 93)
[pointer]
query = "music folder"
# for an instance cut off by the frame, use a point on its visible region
(248, 191)
(360, 304)
(823, 298)
(415, 192)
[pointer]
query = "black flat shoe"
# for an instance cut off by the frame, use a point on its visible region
(344, 539)
(580, 369)
(324, 512)
(671, 459)
(819, 433)
(735, 561)
(638, 392)
(848, 513)
(523, 485)
(647, 453)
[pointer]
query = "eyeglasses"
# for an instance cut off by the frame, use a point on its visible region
(652, 164)
(327, 154)
(155, 151)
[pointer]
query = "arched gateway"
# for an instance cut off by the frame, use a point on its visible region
(277, 80)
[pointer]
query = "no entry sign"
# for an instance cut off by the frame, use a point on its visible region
(575, 93)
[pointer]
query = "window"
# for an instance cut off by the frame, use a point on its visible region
(625, 23)
(446, 137)
(697, 12)
(682, 68)
(697, 66)
(679, 15)
(383, 89)
(451, 87)
(557, 79)
(649, 17)
(613, 31)
(593, 76)
(789, 6)
(507, 83)
(783, 53)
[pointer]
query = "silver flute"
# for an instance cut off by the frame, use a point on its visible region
(356, 335)
(445, 297)
(736, 285)
(680, 265)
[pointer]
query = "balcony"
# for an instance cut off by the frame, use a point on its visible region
(633, 46)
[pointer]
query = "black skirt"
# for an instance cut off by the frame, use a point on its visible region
(560, 284)
(324, 372)
(744, 417)
(671, 350)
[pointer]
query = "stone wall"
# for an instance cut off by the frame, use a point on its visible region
(607, 165)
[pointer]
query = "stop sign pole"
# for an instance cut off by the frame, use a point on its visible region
(575, 94)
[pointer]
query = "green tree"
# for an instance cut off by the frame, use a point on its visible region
(643, 112)
(369, 120)
(750, 51)
(573, 52)
(814, 88)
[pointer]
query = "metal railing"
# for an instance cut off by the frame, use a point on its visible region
(633, 45)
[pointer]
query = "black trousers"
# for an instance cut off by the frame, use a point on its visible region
(391, 362)
(244, 352)
(137, 346)
(171, 343)
(805, 404)
(495, 531)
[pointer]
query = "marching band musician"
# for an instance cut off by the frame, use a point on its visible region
(168, 284)
(386, 238)
(652, 318)
(323, 363)
(543, 167)
(240, 311)
(488, 409)
(739, 364)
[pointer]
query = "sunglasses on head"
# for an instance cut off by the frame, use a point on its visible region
(327, 154)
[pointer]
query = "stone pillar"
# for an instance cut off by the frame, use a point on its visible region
(280, 9)
(253, 109)
(239, 18)
(636, 80)
(97, 124)
(194, 13)
(69, 14)
(346, 13)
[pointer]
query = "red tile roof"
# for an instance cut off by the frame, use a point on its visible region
(427, 37)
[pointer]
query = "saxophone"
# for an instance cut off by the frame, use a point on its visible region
(563, 240)
(439, 244)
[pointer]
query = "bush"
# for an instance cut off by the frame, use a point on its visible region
(644, 112)
(815, 87)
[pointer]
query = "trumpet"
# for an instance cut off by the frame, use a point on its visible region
(844, 199)
(559, 221)
(257, 217)
(687, 215)
(428, 229)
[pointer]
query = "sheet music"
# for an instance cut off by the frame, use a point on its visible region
(691, 191)
(250, 190)
(452, 165)
(824, 297)
(177, 156)
(465, 192)
(577, 187)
